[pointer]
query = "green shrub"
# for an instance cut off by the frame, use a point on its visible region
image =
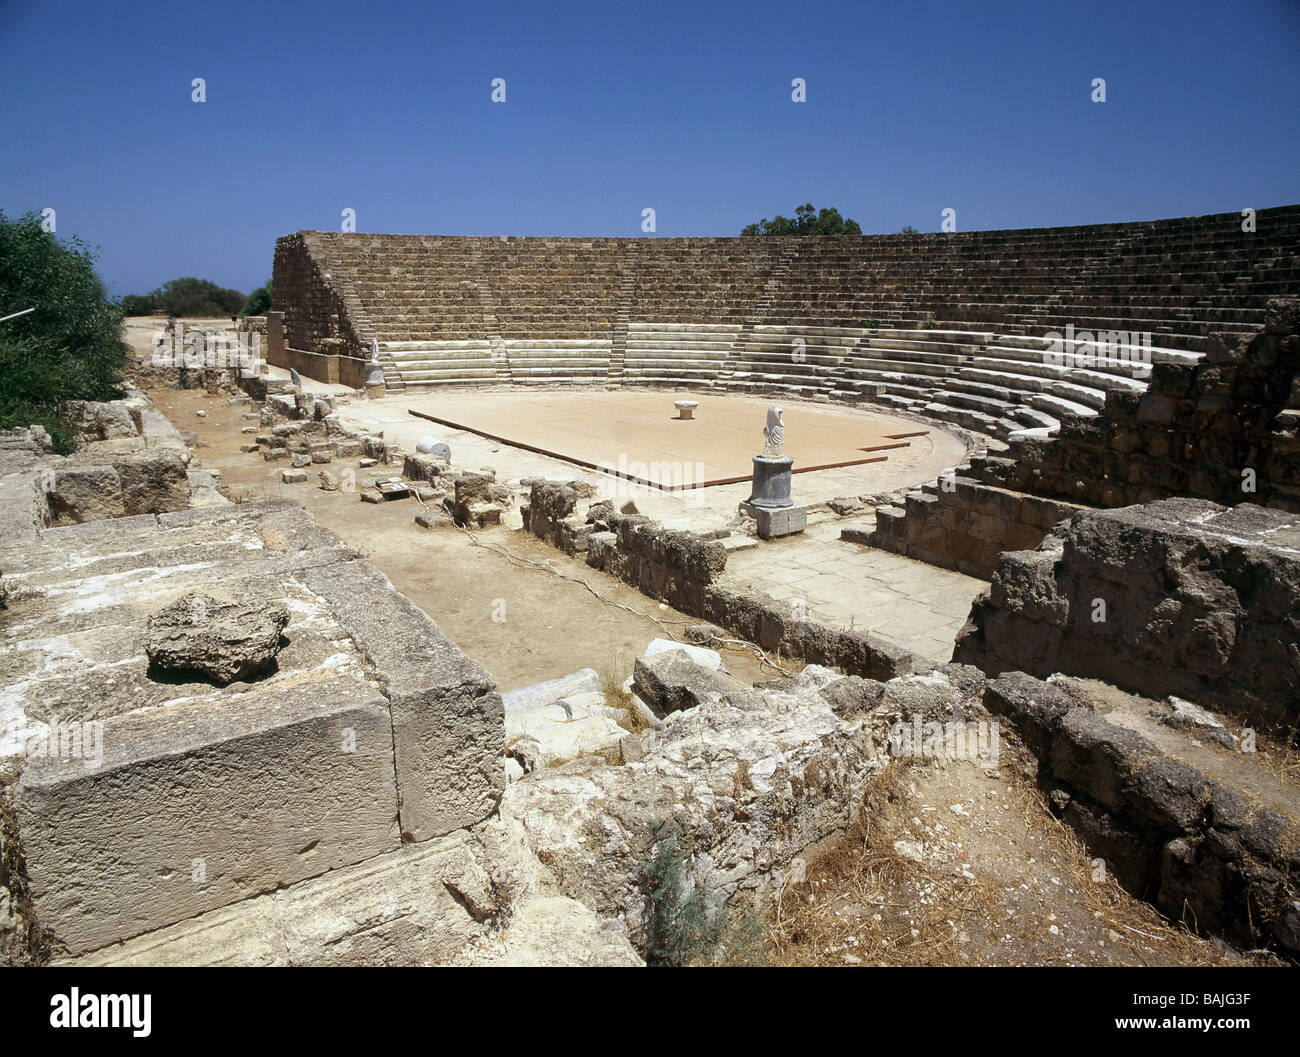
(138, 305)
(70, 347)
(686, 926)
(189, 298)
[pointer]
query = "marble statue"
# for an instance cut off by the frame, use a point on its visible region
(774, 432)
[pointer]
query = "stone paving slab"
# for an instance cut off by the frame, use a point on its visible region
(917, 606)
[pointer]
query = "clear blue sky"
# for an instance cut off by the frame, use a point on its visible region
(615, 106)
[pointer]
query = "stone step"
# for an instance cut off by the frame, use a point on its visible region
(1059, 407)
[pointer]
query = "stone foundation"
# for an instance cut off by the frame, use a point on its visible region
(687, 571)
(1181, 596)
(370, 729)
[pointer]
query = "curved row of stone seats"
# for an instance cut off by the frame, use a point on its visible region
(691, 355)
(553, 288)
(1159, 275)
(993, 383)
(803, 360)
(558, 361)
(438, 363)
(700, 280)
(1189, 335)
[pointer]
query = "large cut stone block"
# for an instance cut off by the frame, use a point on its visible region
(154, 482)
(448, 723)
(203, 803)
(414, 905)
(773, 523)
(83, 493)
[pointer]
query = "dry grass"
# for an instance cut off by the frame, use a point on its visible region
(847, 905)
(611, 685)
(1279, 754)
(1147, 930)
(864, 903)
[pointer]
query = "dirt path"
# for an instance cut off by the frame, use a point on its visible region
(522, 624)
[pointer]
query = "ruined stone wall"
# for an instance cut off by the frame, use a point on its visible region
(316, 318)
(1225, 429)
(1180, 596)
(130, 460)
(687, 571)
(958, 523)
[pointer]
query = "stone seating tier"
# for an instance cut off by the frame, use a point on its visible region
(949, 325)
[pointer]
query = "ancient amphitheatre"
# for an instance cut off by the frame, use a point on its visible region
(1039, 589)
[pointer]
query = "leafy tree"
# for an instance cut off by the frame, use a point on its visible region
(807, 221)
(138, 304)
(70, 347)
(198, 297)
(259, 301)
(909, 230)
(186, 297)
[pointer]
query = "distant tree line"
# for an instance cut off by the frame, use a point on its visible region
(190, 297)
(807, 221)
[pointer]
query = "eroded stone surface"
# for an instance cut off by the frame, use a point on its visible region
(225, 639)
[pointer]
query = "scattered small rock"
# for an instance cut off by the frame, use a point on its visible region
(909, 849)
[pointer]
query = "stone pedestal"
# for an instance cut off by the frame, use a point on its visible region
(777, 521)
(771, 482)
(770, 503)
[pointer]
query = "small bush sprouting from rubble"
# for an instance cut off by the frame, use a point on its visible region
(688, 928)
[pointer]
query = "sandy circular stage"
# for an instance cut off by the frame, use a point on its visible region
(639, 435)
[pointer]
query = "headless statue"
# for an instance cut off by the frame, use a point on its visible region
(774, 433)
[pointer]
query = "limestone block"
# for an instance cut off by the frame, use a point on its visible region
(224, 639)
(565, 729)
(446, 712)
(780, 521)
(83, 493)
(672, 681)
(197, 806)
